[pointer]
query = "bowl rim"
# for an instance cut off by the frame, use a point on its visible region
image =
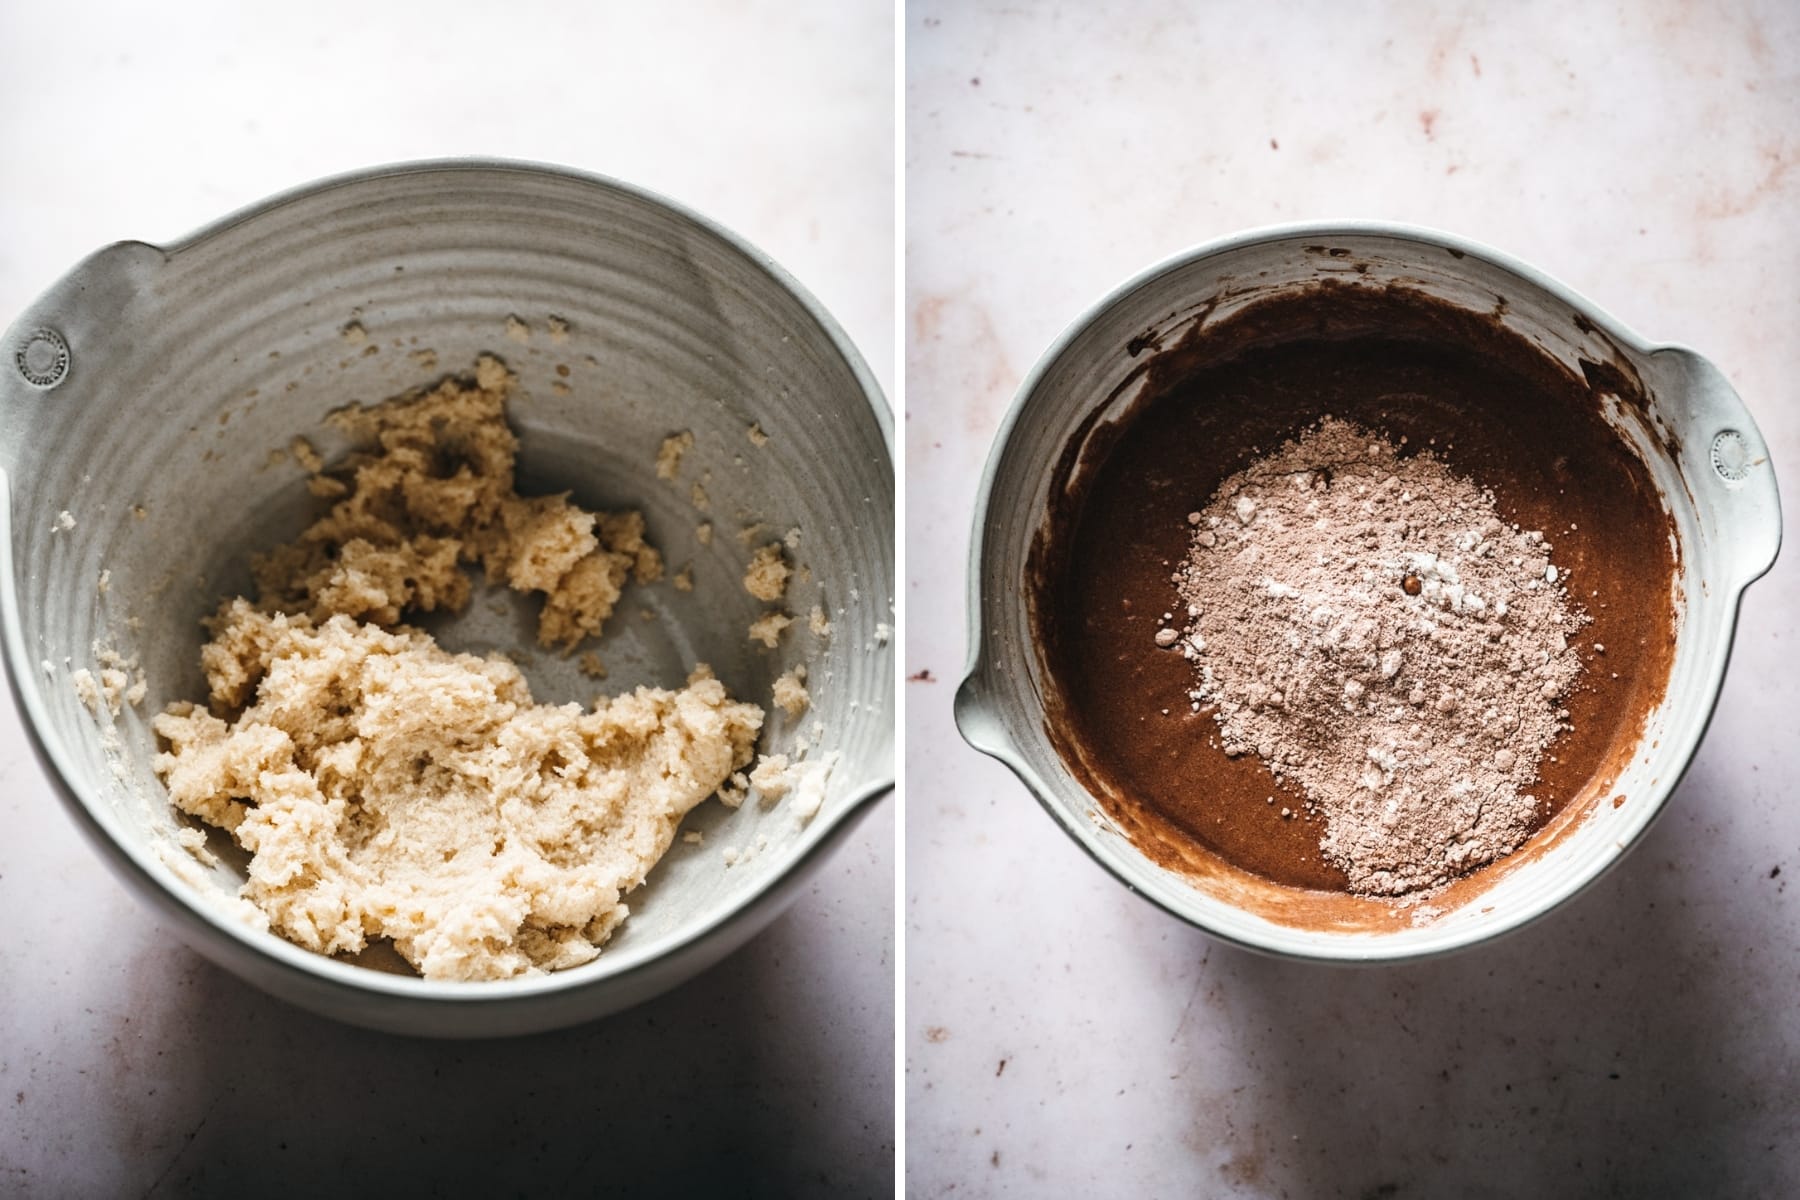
(246, 946)
(1310, 945)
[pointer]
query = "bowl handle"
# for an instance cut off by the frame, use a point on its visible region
(80, 319)
(975, 718)
(1725, 460)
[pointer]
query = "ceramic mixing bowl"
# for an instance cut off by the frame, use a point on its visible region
(1695, 439)
(142, 396)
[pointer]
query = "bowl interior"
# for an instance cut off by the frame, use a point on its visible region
(1096, 373)
(625, 321)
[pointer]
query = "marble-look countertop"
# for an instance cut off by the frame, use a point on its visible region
(1064, 1038)
(128, 1065)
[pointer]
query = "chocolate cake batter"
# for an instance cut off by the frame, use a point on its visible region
(1487, 402)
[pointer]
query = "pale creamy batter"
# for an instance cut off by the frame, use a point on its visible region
(386, 788)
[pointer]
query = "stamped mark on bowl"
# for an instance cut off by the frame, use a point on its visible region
(1731, 456)
(42, 358)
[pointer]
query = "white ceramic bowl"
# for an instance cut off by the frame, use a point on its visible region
(1719, 489)
(142, 393)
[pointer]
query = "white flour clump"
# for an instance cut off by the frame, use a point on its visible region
(1370, 627)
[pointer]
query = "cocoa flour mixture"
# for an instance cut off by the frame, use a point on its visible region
(1369, 627)
(1467, 743)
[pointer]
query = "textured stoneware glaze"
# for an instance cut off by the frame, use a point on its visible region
(1697, 442)
(143, 393)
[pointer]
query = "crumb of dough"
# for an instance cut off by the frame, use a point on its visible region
(757, 436)
(135, 685)
(559, 329)
(432, 489)
(733, 791)
(698, 498)
(104, 583)
(540, 818)
(186, 867)
(751, 533)
(194, 842)
(791, 539)
(648, 565)
(818, 623)
(425, 360)
(883, 633)
(767, 575)
(517, 330)
(809, 790)
(703, 533)
(591, 666)
(107, 690)
(769, 627)
(772, 778)
(791, 693)
(87, 689)
(354, 333)
(65, 521)
(560, 388)
(276, 457)
(800, 784)
(139, 512)
(668, 458)
(684, 579)
(306, 456)
(735, 857)
(693, 837)
(118, 682)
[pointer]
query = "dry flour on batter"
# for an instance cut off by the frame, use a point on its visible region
(1366, 623)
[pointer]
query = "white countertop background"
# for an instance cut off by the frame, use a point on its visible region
(1064, 1038)
(128, 1065)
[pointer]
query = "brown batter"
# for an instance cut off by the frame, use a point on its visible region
(1489, 404)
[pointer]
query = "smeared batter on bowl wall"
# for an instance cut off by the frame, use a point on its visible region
(386, 788)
